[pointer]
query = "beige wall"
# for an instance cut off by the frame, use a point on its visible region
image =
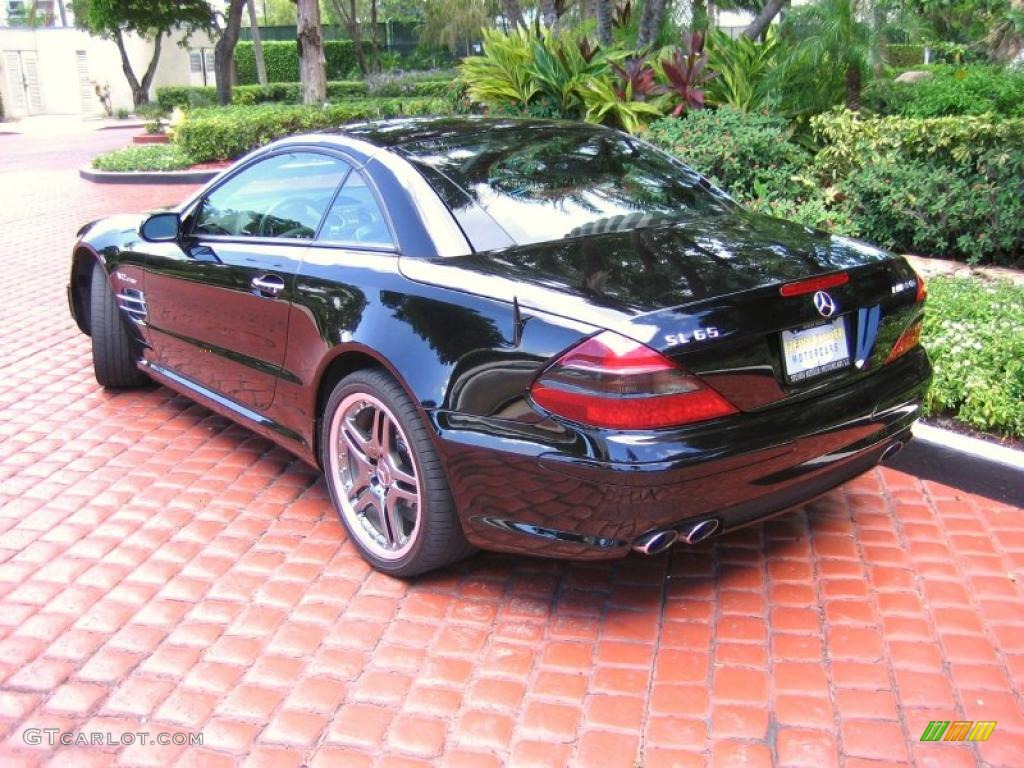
(61, 91)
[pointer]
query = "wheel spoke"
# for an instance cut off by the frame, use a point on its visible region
(363, 500)
(396, 493)
(358, 481)
(382, 428)
(399, 474)
(354, 440)
(393, 515)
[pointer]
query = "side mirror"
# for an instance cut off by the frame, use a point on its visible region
(163, 227)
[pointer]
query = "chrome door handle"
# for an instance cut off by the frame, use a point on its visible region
(267, 285)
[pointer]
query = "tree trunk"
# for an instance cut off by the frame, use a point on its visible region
(764, 18)
(604, 21)
(374, 38)
(549, 14)
(351, 21)
(853, 86)
(650, 22)
(140, 91)
(311, 53)
(63, 13)
(147, 77)
(512, 12)
(257, 44)
(224, 51)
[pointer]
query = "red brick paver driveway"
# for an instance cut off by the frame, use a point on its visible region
(163, 571)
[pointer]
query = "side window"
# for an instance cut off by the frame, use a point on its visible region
(356, 217)
(283, 196)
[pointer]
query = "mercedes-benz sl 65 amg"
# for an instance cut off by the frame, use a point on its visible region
(529, 336)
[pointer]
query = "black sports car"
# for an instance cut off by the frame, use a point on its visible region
(531, 336)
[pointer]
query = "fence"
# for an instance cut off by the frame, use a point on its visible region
(400, 37)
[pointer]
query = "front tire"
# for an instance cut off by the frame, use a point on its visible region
(385, 478)
(114, 352)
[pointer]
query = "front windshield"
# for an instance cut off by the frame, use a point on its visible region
(545, 183)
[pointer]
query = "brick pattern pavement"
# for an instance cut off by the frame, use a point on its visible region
(164, 570)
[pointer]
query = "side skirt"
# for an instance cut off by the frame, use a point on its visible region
(218, 403)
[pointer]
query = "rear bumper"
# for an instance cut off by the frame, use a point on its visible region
(546, 489)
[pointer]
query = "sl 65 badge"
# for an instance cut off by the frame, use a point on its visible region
(701, 334)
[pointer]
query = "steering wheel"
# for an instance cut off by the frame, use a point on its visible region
(353, 219)
(289, 209)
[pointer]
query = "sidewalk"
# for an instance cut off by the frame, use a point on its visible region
(63, 125)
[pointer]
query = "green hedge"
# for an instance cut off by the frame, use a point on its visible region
(285, 93)
(282, 60)
(750, 155)
(430, 83)
(224, 133)
(947, 186)
(143, 157)
(975, 89)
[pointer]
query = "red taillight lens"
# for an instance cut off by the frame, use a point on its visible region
(922, 289)
(611, 381)
(906, 342)
(814, 284)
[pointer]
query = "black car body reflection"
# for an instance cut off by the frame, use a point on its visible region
(500, 270)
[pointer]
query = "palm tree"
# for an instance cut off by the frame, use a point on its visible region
(834, 34)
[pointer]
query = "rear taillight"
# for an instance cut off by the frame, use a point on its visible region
(615, 382)
(909, 339)
(922, 289)
(813, 284)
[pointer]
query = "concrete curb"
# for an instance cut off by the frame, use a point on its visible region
(963, 462)
(148, 177)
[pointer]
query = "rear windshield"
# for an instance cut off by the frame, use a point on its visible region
(547, 183)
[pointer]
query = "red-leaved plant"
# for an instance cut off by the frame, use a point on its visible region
(687, 74)
(636, 79)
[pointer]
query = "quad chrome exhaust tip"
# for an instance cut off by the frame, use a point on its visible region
(700, 531)
(891, 450)
(655, 542)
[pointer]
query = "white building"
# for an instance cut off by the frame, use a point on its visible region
(54, 70)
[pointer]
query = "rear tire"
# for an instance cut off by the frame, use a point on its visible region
(114, 351)
(385, 478)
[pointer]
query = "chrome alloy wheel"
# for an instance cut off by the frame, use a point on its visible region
(374, 476)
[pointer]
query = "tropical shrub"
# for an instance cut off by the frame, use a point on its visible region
(224, 133)
(500, 77)
(530, 71)
(623, 101)
(746, 70)
(974, 333)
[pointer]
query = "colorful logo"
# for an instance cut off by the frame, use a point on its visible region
(958, 730)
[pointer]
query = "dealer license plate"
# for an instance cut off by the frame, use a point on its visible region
(816, 350)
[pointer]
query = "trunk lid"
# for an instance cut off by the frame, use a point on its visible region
(706, 293)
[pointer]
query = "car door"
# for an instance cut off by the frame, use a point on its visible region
(219, 300)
